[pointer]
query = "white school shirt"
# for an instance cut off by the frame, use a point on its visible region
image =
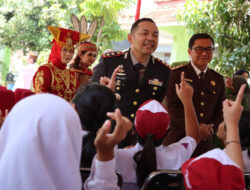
(102, 176)
(167, 157)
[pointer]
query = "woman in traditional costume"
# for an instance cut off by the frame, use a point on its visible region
(54, 77)
(87, 51)
(86, 56)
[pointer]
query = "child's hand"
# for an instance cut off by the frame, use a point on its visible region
(232, 109)
(106, 141)
(110, 82)
(184, 91)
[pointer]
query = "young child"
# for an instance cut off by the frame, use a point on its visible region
(40, 145)
(54, 77)
(151, 125)
(220, 169)
(92, 102)
(81, 64)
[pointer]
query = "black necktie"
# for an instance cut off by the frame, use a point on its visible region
(201, 76)
(138, 67)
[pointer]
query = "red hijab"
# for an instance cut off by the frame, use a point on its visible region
(55, 56)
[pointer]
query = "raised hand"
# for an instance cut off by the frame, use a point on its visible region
(106, 141)
(232, 109)
(110, 82)
(232, 112)
(184, 91)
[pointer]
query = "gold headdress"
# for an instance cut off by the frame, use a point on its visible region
(82, 26)
(67, 37)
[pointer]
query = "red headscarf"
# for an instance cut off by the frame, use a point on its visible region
(55, 56)
(62, 37)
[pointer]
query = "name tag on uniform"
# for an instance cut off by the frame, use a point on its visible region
(188, 80)
(155, 82)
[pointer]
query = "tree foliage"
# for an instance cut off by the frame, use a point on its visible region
(227, 21)
(23, 23)
(106, 11)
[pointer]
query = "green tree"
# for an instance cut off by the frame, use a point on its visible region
(23, 23)
(228, 23)
(106, 12)
(4, 63)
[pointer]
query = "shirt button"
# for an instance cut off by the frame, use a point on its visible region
(135, 103)
(117, 88)
(118, 97)
(202, 104)
(155, 88)
(153, 93)
(137, 90)
(202, 93)
(202, 114)
(132, 115)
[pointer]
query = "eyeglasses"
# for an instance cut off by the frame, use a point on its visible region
(200, 50)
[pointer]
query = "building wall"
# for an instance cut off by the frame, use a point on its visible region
(180, 42)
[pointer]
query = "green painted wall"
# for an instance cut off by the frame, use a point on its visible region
(180, 45)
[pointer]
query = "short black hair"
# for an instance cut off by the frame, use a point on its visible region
(240, 72)
(92, 102)
(199, 36)
(135, 24)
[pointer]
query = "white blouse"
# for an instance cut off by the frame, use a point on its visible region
(168, 157)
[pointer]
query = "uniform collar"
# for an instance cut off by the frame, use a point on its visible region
(135, 60)
(197, 70)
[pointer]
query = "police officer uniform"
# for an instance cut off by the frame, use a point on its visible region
(129, 91)
(208, 96)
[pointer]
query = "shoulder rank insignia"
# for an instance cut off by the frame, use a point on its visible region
(160, 61)
(178, 66)
(112, 54)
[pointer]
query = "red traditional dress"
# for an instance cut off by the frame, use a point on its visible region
(83, 75)
(54, 77)
(51, 79)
